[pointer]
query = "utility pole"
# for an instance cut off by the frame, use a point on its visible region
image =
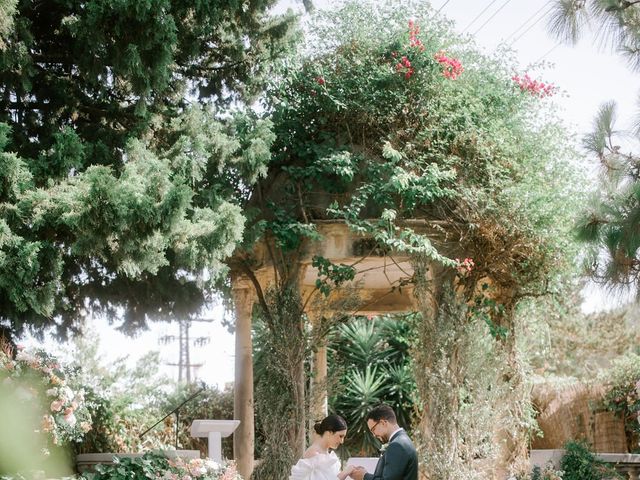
(185, 342)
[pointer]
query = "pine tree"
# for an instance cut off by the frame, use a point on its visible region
(610, 223)
(7, 11)
(615, 22)
(125, 157)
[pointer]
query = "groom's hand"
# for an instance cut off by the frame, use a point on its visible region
(358, 473)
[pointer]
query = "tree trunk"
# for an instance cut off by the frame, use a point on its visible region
(470, 383)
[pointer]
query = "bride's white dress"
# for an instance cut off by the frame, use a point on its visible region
(324, 466)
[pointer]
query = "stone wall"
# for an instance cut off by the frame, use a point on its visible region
(572, 413)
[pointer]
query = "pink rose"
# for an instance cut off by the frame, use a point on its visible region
(69, 417)
(56, 405)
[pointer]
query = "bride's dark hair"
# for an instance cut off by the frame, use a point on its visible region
(332, 423)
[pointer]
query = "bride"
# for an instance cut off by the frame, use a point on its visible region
(318, 463)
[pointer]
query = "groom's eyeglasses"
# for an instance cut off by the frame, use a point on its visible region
(373, 429)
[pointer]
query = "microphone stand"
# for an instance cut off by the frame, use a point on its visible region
(177, 412)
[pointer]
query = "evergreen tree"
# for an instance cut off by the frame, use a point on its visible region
(124, 163)
(7, 11)
(610, 222)
(615, 22)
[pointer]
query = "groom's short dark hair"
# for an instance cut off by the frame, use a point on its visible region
(382, 412)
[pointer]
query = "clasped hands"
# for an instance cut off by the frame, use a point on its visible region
(357, 473)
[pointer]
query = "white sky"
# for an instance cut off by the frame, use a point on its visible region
(587, 76)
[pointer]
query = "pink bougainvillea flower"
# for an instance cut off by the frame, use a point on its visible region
(414, 41)
(464, 267)
(404, 66)
(534, 87)
(451, 67)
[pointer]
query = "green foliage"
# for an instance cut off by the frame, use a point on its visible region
(124, 400)
(331, 275)
(473, 157)
(548, 473)
(614, 21)
(156, 464)
(374, 365)
(561, 340)
(608, 224)
(486, 309)
(115, 188)
(7, 11)
(579, 463)
(623, 395)
(460, 373)
(211, 403)
(280, 350)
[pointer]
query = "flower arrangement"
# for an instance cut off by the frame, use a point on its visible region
(39, 378)
(204, 469)
(156, 465)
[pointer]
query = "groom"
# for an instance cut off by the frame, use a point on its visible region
(400, 459)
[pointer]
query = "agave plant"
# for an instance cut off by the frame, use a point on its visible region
(371, 358)
(360, 343)
(362, 390)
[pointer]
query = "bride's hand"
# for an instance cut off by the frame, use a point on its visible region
(346, 472)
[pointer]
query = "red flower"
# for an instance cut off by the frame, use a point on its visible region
(320, 80)
(452, 68)
(404, 66)
(534, 87)
(414, 41)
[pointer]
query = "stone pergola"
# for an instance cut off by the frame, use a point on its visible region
(381, 287)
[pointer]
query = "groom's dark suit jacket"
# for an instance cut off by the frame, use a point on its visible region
(398, 462)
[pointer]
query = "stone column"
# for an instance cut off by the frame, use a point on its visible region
(243, 438)
(318, 399)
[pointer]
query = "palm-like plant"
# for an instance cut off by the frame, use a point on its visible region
(611, 221)
(372, 359)
(362, 390)
(358, 343)
(616, 23)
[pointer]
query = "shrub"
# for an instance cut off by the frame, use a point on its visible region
(39, 378)
(156, 465)
(579, 463)
(623, 396)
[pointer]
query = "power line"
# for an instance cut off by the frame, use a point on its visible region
(517, 30)
(530, 27)
(550, 50)
(441, 7)
(491, 17)
(479, 15)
